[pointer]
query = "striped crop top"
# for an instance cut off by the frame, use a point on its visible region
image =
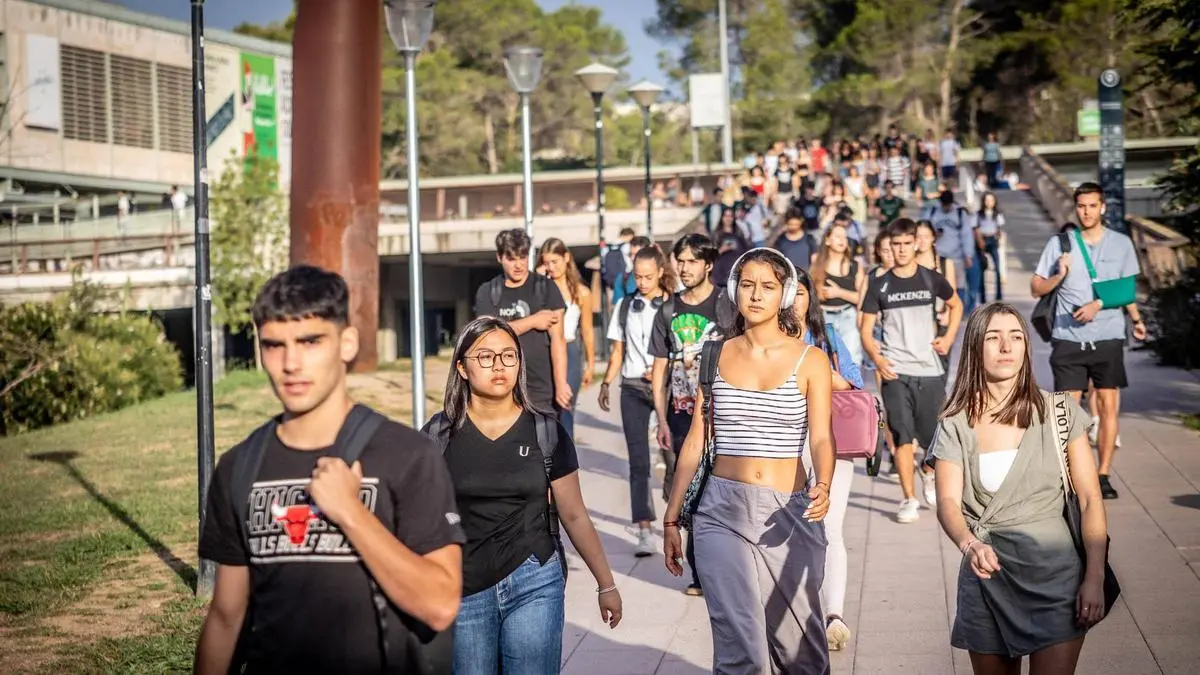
(751, 423)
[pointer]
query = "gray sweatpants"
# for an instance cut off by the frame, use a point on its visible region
(762, 565)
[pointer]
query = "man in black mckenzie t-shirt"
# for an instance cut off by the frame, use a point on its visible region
(534, 307)
(293, 588)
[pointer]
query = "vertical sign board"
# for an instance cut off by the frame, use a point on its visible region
(44, 90)
(283, 116)
(221, 98)
(707, 100)
(257, 100)
(1112, 148)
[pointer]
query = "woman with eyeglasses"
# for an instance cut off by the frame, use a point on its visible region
(629, 332)
(515, 475)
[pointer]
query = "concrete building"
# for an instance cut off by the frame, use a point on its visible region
(98, 99)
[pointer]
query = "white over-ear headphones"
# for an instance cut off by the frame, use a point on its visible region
(789, 287)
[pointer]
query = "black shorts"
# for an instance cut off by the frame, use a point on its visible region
(1075, 364)
(913, 405)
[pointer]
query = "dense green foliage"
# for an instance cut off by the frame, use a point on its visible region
(249, 237)
(1021, 68)
(64, 360)
(1172, 57)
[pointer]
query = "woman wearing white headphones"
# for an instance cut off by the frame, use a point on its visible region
(757, 521)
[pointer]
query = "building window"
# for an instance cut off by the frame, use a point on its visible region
(84, 99)
(132, 102)
(174, 108)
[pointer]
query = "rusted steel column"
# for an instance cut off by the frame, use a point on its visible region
(337, 51)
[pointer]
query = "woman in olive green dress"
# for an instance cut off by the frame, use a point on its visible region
(1022, 587)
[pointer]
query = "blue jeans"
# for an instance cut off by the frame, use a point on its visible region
(575, 379)
(974, 289)
(845, 322)
(991, 250)
(515, 626)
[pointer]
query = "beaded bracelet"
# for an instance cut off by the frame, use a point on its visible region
(966, 548)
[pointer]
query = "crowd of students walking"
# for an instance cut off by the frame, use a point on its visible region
(349, 542)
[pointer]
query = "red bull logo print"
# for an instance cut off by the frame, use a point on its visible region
(284, 525)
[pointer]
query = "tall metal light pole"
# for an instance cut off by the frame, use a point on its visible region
(202, 312)
(410, 22)
(646, 93)
(597, 78)
(723, 43)
(524, 67)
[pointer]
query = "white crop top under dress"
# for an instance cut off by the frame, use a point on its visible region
(571, 322)
(751, 423)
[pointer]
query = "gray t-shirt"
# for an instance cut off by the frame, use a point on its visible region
(1113, 257)
(906, 308)
(955, 231)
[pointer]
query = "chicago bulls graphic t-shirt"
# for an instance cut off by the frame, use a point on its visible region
(310, 600)
(500, 487)
(536, 294)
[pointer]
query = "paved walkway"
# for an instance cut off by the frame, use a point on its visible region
(900, 602)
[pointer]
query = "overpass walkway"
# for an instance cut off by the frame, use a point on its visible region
(901, 596)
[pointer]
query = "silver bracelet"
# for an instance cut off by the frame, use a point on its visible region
(610, 589)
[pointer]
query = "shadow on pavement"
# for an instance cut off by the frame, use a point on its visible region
(65, 459)
(583, 418)
(1191, 501)
(596, 653)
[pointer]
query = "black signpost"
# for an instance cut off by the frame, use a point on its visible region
(1112, 148)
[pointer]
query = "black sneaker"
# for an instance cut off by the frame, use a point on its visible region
(1106, 489)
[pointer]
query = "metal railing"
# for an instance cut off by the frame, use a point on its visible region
(56, 256)
(1162, 252)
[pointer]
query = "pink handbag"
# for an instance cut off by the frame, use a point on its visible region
(856, 417)
(857, 421)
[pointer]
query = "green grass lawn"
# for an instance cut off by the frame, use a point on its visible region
(98, 527)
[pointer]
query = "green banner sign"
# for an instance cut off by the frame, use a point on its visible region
(1088, 122)
(260, 134)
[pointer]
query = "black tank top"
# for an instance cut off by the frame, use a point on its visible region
(846, 282)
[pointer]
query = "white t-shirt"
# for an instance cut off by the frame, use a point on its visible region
(948, 152)
(179, 201)
(637, 347)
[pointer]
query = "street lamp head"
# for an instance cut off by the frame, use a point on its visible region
(409, 23)
(597, 77)
(524, 68)
(645, 93)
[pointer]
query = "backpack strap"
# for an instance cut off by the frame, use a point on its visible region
(623, 312)
(438, 428)
(547, 440)
(710, 358)
(495, 288)
(247, 462)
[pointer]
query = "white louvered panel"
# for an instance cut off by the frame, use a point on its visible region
(133, 102)
(84, 104)
(174, 108)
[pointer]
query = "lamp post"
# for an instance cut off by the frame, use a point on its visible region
(646, 93)
(202, 314)
(409, 22)
(597, 78)
(524, 68)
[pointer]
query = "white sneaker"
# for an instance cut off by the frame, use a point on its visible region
(908, 511)
(928, 488)
(644, 547)
(837, 632)
(1118, 440)
(1094, 432)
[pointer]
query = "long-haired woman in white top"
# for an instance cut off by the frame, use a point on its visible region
(577, 321)
(757, 525)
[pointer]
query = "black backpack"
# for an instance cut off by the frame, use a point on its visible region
(1044, 311)
(439, 429)
(429, 652)
(612, 265)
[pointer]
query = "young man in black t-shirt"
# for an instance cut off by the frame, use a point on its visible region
(795, 243)
(293, 587)
(888, 207)
(909, 360)
(679, 332)
(534, 307)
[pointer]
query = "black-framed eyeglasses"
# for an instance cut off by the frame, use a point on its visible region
(639, 304)
(487, 359)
